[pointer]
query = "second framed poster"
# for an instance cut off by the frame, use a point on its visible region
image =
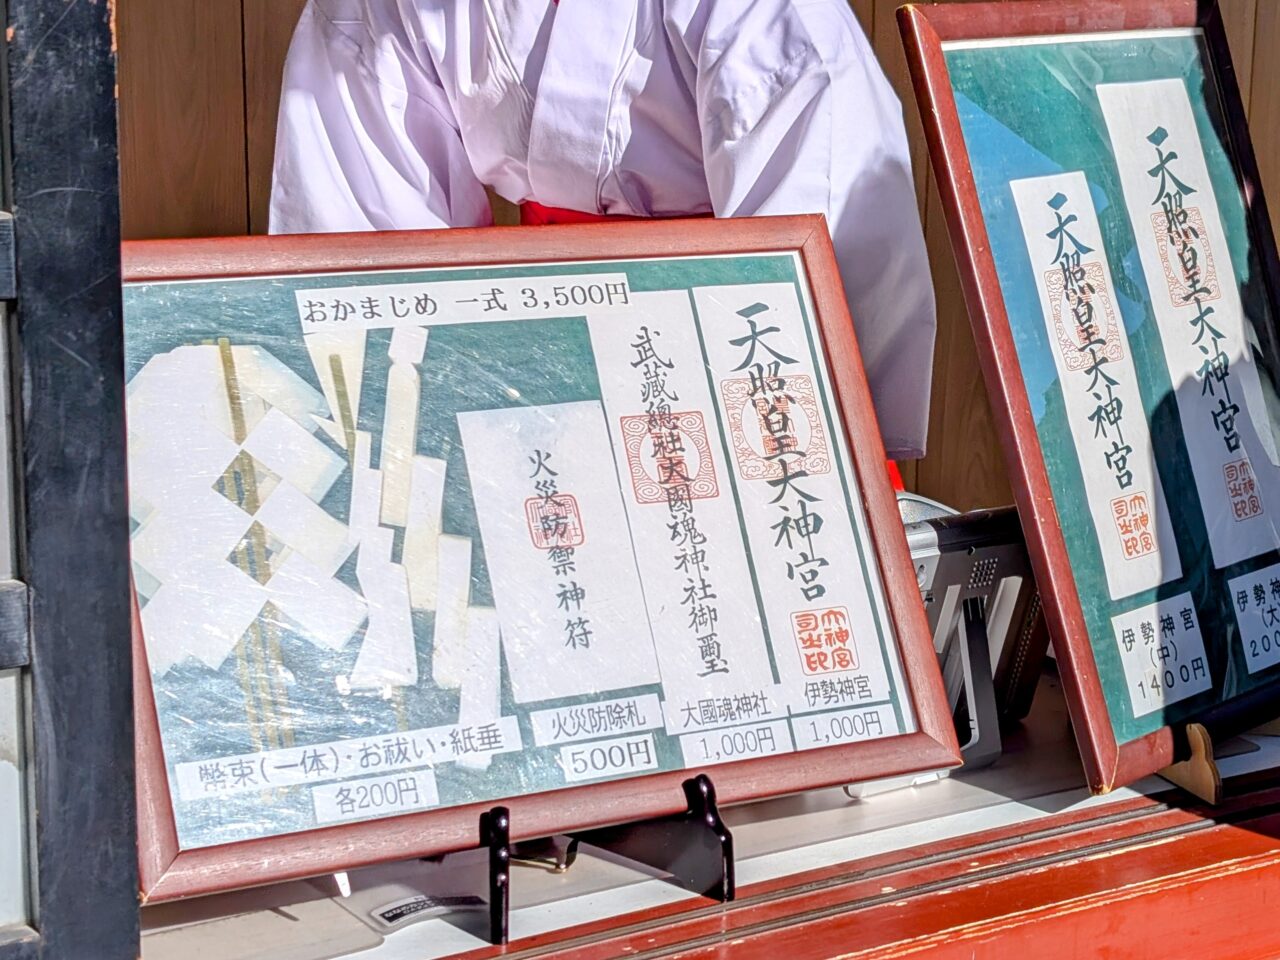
(1121, 274)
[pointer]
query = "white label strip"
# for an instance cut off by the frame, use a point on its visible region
(461, 301)
(1187, 262)
(736, 743)
(787, 454)
(688, 541)
(1098, 382)
(558, 549)
(1256, 600)
(844, 726)
(1162, 652)
(421, 552)
(453, 595)
(343, 759)
(375, 797)
(600, 719)
(608, 758)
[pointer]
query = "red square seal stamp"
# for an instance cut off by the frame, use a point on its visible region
(1242, 488)
(824, 640)
(786, 420)
(1067, 332)
(554, 521)
(1132, 515)
(669, 456)
(1184, 253)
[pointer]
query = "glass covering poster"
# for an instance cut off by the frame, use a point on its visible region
(1119, 233)
(407, 540)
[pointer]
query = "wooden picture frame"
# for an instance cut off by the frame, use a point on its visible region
(929, 32)
(168, 871)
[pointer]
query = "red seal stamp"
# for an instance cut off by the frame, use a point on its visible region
(1132, 516)
(1187, 258)
(824, 640)
(1242, 488)
(554, 521)
(1072, 338)
(783, 420)
(669, 455)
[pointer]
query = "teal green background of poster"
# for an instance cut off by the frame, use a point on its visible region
(477, 366)
(1031, 111)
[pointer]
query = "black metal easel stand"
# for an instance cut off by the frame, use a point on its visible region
(694, 847)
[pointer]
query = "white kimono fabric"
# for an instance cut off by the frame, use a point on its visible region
(396, 114)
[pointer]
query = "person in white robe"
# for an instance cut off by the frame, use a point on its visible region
(396, 114)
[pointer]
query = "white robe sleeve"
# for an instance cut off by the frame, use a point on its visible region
(797, 117)
(366, 138)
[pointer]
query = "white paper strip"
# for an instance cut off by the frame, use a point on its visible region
(420, 552)
(328, 610)
(291, 451)
(1098, 382)
(388, 655)
(204, 619)
(399, 438)
(820, 611)
(449, 637)
(698, 585)
(1187, 261)
(480, 698)
(558, 550)
(291, 516)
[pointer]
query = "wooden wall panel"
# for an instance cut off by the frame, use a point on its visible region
(268, 27)
(1264, 102)
(865, 11)
(200, 79)
(964, 467)
(1240, 18)
(182, 133)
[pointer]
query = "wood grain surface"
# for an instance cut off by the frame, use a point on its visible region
(189, 68)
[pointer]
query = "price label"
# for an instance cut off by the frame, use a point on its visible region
(845, 726)
(1255, 598)
(375, 797)
(1162, 652)
(608, 758)
(736, 743)
(590, 720)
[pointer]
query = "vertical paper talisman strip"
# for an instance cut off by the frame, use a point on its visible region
(1196, 301)
(1098, 382)
(825, 621)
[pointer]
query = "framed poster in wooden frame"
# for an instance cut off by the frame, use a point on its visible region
(1120, 271)
(550, 517)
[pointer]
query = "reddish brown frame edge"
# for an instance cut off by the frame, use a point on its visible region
(1108, 764)
(168, 873)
